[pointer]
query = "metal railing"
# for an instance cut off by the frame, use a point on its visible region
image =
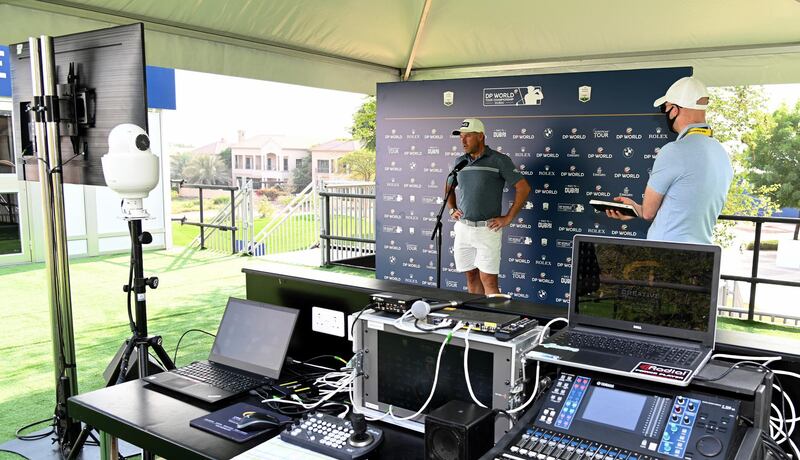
(211, 232)
(754, 280)
(293, 228)
(348, 224)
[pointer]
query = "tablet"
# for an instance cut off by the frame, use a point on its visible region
(625, 209)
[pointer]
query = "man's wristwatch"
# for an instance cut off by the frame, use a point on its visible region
(453, 211)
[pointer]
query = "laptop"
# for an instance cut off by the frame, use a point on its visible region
(248, 352)
(638, 308)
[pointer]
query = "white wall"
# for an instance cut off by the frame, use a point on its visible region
(92, 213)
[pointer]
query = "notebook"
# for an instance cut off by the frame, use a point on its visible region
(639, 308)
(248, 351)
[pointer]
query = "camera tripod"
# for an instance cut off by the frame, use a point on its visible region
(139, 341)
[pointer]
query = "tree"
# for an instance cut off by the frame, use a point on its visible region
(363, 127)
(359, 164)
(177, 163)
(301, 176)
(226, 157)
(207, 169)
(773, 156)
(734, 113)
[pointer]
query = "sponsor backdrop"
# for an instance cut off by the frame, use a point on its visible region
(575, 137)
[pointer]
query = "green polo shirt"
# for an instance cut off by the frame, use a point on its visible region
(479, 194)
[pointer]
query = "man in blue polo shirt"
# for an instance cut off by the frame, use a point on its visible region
(477, 207)
(691, 175)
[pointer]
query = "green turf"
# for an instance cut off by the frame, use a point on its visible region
(193, 290)
(194, 286)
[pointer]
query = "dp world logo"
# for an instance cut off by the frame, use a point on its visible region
(628, 152)
(628, 130)
(548, 133)
(541, 294)
(627, 169)
(392, 260)
(519, 255)
(523, 131)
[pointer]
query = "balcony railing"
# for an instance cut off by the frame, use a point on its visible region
(754, 280)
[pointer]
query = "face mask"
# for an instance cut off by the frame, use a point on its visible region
(671, 121)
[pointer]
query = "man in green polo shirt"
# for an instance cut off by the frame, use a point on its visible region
(477, 207)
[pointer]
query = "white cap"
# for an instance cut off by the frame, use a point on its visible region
(470, 125)
(686, 93)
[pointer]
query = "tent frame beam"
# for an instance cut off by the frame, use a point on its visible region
(417, 38)
(657, 56)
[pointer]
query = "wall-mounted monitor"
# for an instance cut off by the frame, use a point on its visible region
(100, 77)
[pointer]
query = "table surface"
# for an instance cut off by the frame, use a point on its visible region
(158, 421)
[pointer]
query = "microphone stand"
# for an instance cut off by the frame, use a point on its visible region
(437, 230)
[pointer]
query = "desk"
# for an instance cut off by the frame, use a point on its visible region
(158, 422)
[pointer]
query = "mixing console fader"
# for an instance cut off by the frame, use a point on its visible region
(592, 417)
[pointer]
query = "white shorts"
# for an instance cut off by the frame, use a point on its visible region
(477, 247)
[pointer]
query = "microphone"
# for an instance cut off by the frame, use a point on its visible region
(420, 309)
(459, 166)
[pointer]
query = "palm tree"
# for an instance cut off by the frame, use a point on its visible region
(177, 163)
(207, 169)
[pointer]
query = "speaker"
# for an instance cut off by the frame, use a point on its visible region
(458, 431)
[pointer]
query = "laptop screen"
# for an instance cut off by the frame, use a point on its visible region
(254, 337)
(650, 286)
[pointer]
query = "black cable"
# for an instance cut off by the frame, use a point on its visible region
(178, 346)
(35, 437)
(733, 368)
(353, 326)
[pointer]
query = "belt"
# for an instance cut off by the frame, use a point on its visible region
(473, 223)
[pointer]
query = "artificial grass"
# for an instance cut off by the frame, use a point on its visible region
(194, 287)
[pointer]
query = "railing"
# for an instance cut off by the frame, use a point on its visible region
(294, 228)
(348, 224)
(754, 280)
(211, 232)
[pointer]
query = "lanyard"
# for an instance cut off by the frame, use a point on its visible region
(703, 131)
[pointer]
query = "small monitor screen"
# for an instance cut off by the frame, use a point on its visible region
(668, 287)
(254, 336)
(619, 409)
(407, 365)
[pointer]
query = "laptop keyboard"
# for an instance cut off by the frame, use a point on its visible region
(219, 377)
(663, 354)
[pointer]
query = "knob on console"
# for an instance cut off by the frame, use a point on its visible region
(360, 437)
(709, 446)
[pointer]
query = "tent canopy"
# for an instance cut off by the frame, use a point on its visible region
(353, 44)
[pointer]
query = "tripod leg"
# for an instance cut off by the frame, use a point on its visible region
(79, 442)
(162, 354)
(123, 362)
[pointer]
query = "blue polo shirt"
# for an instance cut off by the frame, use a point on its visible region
(479, 194)
(693, 173)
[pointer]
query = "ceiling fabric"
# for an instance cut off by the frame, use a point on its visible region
(353, 44)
